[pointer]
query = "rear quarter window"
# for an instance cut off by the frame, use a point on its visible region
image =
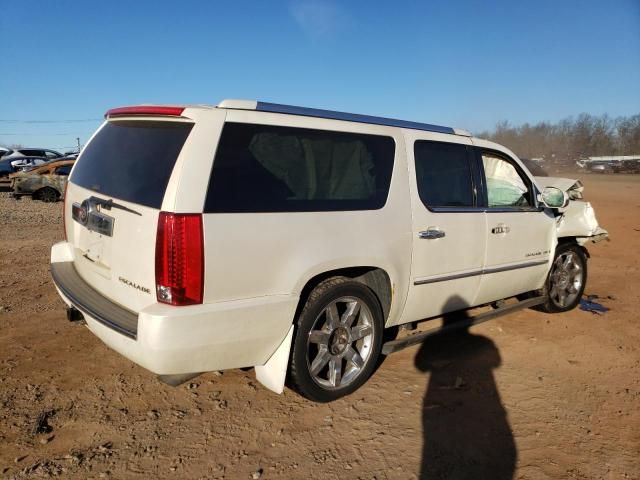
(132, 160)
(261, 168)
(444, 174)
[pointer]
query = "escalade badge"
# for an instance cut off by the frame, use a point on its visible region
(134, 285)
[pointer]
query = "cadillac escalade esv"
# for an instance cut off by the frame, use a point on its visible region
(251, 234)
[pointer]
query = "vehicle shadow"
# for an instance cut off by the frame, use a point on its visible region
(465, 426)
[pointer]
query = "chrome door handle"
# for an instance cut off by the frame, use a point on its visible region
(431, 234)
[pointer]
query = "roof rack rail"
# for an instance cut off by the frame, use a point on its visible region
(348, 117)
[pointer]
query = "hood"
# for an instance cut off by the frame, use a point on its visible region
(572, 186)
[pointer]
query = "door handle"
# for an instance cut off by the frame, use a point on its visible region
(501, 228)
(431, 234)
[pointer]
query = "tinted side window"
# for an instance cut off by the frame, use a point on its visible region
(63, 170)
(33, 152)
(262, 168)
(132, 160)
(443, 174)
(505, 186)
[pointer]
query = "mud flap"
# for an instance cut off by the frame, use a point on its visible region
(273, 373)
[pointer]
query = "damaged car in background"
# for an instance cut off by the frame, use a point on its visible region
(46, 182)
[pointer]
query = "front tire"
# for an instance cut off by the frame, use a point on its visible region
(338, 340)
(566, 280)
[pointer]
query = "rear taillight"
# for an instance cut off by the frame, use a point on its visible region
(179, 258)
(64, 211)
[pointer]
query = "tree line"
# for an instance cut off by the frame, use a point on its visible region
(570, 139)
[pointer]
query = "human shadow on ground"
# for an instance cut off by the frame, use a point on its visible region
(465, 427)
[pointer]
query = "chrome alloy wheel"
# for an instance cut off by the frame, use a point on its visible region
(566, 278)
(340, 342)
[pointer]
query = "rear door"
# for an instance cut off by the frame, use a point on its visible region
(115, 193)
(449, 229)
(521, 235)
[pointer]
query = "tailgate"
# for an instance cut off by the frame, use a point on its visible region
(114, 196)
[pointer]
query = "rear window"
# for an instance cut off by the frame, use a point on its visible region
(261, 168)
(132, 160)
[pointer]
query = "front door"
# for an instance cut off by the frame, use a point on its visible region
(449, 227)
(521, 236)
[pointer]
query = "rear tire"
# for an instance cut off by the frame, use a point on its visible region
(47, 194)
(338, 340)
(566, 280)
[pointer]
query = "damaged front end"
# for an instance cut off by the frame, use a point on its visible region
(578, 218)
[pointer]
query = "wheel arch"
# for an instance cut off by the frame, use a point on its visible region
(38, 192)
(375, 278)
(573, 241)
(273, 373)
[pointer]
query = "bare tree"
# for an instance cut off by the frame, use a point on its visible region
(570, 139)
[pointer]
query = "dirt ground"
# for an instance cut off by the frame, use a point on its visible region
(528, 396)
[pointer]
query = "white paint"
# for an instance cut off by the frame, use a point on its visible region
(579, 220)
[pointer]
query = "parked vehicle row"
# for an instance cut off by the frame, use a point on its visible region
(30, 152)
(45, 153)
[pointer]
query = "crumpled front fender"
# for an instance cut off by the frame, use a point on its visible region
(578, 220)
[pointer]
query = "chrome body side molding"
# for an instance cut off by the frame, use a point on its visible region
(473, 273)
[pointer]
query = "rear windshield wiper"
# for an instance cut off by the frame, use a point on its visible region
(109, 204)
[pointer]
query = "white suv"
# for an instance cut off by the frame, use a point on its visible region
(288, 239)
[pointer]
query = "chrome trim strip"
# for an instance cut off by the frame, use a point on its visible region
(483, 209)
(515, 267)
(350, 117)
(448, 277)
(512, 209)
(480, 272)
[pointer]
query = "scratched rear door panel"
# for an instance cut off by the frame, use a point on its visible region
(114, 197)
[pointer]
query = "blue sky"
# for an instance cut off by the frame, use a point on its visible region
(467, 64)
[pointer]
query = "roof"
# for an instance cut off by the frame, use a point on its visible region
(334, 115)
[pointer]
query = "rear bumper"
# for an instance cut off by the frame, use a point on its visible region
(90, 302)
(171, 340)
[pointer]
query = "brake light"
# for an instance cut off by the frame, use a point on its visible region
(64, 211)
(145, 110)
(179, 258)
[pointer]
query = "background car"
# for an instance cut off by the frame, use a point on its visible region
(33, 152)
(45, 182)
(601, 167)
(9, 165)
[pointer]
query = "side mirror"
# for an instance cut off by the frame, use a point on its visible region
(553, 197)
